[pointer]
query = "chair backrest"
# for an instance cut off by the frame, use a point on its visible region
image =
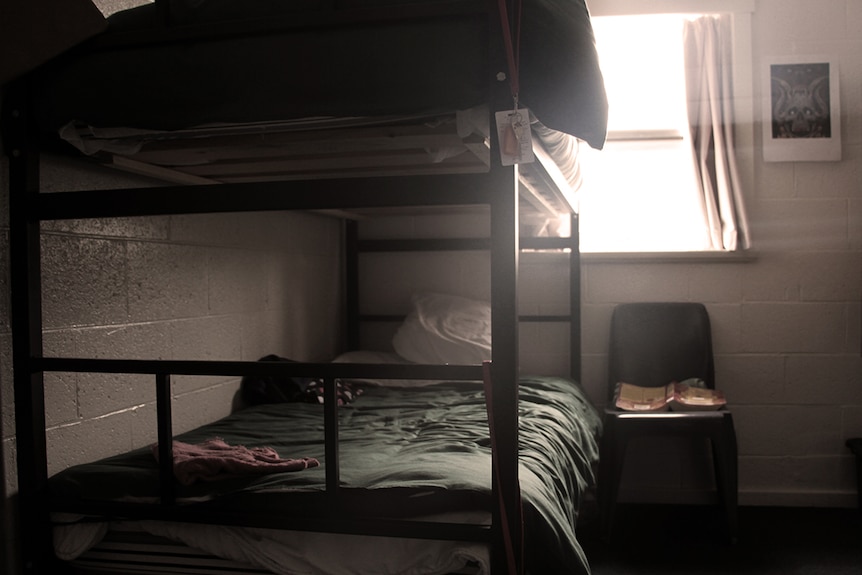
(652, 344)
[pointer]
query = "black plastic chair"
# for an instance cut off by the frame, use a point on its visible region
(651, 345)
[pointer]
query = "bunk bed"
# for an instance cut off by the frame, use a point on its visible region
(341, 107)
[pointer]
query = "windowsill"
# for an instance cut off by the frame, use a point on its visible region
(716, 257)
(668, 257)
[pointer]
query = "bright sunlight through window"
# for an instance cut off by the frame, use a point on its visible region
(639, 192)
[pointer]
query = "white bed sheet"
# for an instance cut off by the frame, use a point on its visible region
(292, 552)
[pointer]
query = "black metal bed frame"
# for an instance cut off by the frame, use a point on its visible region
(497, 189)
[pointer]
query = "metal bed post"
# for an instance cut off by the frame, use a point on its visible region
(575, 336)
(26, 315)
(505, 253)
(330, 422)
(351, 282)
(504, 334)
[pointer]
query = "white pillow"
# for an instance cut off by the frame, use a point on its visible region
(445, 329)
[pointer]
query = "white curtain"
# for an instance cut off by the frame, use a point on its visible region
(710, 114)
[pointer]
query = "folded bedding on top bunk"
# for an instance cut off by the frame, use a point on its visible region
(347, 67)
(432, 437)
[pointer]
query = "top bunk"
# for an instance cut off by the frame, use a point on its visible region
(229, 92)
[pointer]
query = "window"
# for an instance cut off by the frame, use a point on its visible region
(640, 193)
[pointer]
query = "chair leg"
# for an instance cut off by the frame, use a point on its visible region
(727, 475)
(611, 461)
(855, 446)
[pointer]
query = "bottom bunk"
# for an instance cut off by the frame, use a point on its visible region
(407, 451)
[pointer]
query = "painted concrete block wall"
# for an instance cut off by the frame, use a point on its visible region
(227, 286)
(800, 304)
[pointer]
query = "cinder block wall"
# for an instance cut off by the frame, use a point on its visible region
(227, 286)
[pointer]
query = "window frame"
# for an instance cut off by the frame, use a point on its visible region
(743, 102)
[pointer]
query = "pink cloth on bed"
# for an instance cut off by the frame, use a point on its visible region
(214, 459)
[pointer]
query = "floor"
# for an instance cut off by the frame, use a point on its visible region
(692, 540)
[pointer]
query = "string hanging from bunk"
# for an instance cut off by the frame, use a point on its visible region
(512, 42)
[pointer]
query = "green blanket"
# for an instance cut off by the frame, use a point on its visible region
(433, 437)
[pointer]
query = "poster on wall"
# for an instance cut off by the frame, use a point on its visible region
(801, 112)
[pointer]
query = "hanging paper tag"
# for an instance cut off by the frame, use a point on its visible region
(513, 131)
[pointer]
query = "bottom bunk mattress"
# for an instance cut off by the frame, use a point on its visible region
(422, 451)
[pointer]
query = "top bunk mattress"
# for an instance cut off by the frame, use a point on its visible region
(223, 62)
